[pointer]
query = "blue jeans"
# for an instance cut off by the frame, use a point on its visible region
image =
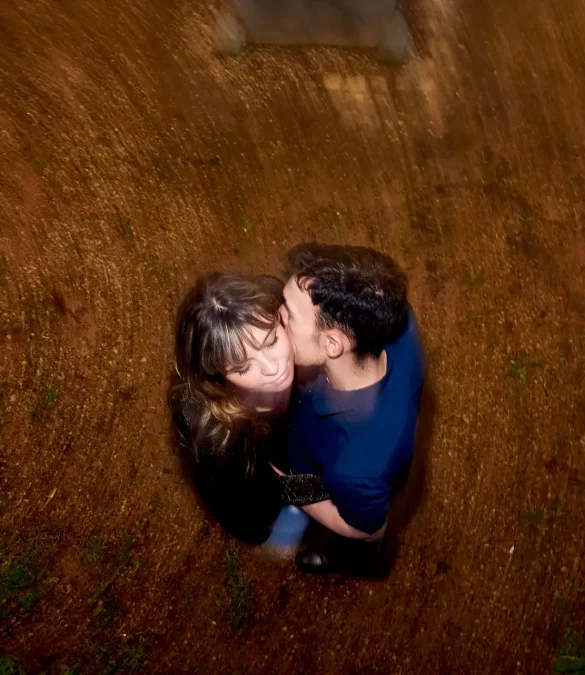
(288, 529)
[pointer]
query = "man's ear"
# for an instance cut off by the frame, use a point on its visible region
(336, 343)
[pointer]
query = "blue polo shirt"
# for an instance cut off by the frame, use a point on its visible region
(359, 440)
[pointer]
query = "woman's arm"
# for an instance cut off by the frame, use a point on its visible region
(300, 489)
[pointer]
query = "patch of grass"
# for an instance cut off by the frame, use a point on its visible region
(31, 357)
(108, 610)
(29, 599)
(570, 656)
(561, 605)
(125, 224)
(166, 167)
(19, 584)
(517, 370)
(75, 670)
(102, 139)
(525, 215)
(124, 553)
(127, 657)
(50, 309)
(475, 280)
(95, 549)
(4, 421)
(51, 393)
(21, 573)
(519, 367)
(246, 226)
(132, 656)
(155, 504)
(125, 557)
(39, 165)
(240, 592)
(556, 506)
(476, 315)
(41, 544)
(103, 584)
(9, 666)
(533, 515)
(100, 652)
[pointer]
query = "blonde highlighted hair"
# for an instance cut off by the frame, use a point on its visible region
(213, 328)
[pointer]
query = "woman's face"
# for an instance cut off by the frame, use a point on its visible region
(270, 368)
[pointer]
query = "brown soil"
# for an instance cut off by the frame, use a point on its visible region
(130, 161)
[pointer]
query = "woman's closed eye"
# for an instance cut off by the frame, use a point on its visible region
(272, 343)
(240, 370)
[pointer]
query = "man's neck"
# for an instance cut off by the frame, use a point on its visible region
(344, 374)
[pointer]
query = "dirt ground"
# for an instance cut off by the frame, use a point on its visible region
(131, 159)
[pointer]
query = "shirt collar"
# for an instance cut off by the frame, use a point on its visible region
(329, 401)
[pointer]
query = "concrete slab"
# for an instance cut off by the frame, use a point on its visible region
(369, 24)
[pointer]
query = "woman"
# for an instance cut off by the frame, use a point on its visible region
(236, 369)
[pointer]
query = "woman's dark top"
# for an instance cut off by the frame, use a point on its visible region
(236, 483)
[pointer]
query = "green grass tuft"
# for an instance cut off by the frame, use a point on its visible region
(518, 368)
(126, 657)
(29, 599)
(109, 610)
(95, 549)
(75, 670)
(240, 591)
(9, 666)
(125, 224)
(475, 279)
(21, 573)
(246, 226)
(132, 656)
(155, 504)
(51, 392)
(570, 656)
(533, 515)
(4, 421)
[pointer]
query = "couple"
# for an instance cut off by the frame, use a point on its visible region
(332, 443)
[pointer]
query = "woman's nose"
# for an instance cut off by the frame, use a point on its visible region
(269, 367)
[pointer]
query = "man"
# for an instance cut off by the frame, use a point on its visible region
(346, 312)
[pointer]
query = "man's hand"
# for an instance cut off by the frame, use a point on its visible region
(327, 514)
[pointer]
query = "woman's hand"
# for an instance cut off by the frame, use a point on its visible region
(278, 471)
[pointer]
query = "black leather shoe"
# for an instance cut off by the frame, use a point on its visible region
(312, 562)
(354, 558)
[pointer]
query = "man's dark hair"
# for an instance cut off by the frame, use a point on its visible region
(358, 290)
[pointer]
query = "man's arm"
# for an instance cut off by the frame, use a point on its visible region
(327, 514)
